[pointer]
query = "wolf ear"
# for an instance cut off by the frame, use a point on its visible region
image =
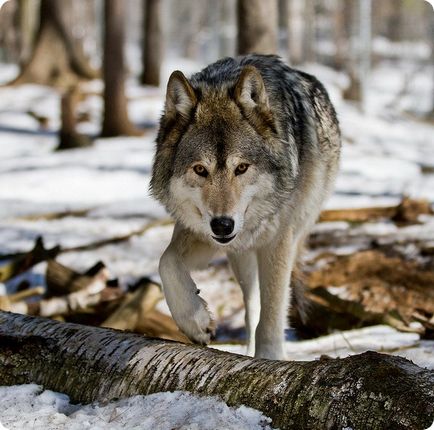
(180, 96)
(250, 90)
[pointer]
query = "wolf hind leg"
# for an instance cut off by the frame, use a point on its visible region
(245, 268)
(275, 262)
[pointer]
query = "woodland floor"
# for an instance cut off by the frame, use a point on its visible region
(369, 273)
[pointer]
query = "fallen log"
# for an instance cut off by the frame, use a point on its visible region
(366, 391)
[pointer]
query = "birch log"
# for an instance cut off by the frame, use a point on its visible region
(366, 391)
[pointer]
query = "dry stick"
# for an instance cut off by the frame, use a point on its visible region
(49, 216)
(22, 295)
(366, 391)
(25, 261)
(407, 210)
(77, 301)
(137, 314)
(135, 307)
(62, 280)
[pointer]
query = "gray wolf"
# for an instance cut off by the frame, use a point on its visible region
(247, 151)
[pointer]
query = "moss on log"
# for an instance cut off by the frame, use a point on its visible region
(367, 391)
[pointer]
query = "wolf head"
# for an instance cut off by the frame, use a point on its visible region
(220, 164)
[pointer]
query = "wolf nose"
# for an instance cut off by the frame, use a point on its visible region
(222, 226)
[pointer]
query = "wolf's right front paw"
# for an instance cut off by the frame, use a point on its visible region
(197, 323)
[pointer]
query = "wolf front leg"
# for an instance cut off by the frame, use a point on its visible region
(275, 262)
(190, 311)
(245, 268)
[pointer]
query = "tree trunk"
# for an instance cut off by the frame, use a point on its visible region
(367, 391)
(56, 60)
(351, 12)
(431, 34)
(365, 37)
(191, 27)
(295, 31)
(9, 32)
(395, 20)
(69, 138)
(152, 43)
(340, 35)
(309, 45)
(27, 24)
(226, 25)
(115, 121)
(257, 26)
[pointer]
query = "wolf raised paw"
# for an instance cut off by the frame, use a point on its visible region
(197, 324)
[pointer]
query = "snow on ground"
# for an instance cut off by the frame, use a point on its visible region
(386, 154)
(30, 407)
(379, 338)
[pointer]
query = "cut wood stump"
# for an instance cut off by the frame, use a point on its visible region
(366, 391)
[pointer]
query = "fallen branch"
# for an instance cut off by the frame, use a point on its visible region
(63, 280)
(367, 391)
(49, 216)
(135, 307)
(78, 301)
(407, 211)
(24, 262)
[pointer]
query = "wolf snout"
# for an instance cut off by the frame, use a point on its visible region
(222, 226)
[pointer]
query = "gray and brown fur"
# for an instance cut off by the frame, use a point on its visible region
(253, 110)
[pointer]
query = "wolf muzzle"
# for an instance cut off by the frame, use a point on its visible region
(222, 227)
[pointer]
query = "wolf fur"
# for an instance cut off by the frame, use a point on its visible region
(252, 111)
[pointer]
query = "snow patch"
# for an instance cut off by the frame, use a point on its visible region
(29, 406)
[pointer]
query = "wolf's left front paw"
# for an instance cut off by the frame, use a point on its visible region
(197, 323)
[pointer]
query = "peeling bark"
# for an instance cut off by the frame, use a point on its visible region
(367, 391)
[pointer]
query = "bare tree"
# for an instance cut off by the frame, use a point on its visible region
(294, 28)
(226, 26)
(69, 138)
(257, 26)
(353, 91)
(309, 37)
(194, 17)
(152, 43)
(340, 34)
(27, 23)
(56, 58)
(115, 121)
(9, 32)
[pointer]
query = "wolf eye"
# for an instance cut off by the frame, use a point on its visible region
(200, 170)
(241, 168)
